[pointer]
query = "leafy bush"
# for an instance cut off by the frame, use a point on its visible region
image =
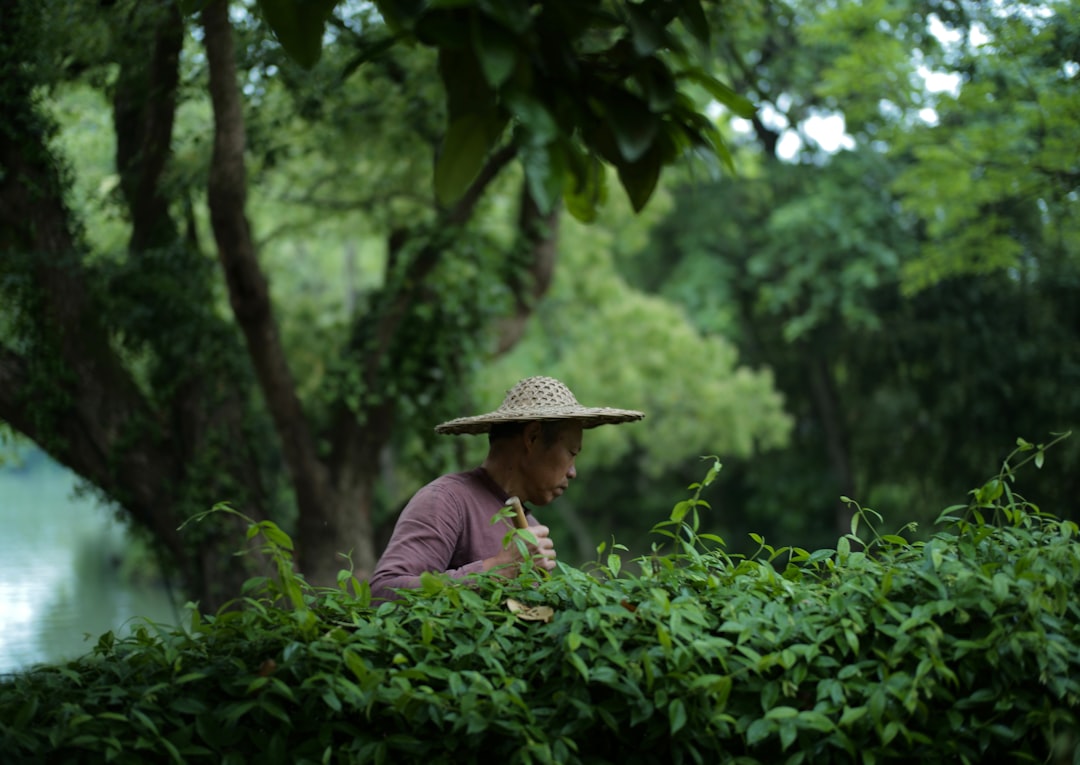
(961, 648)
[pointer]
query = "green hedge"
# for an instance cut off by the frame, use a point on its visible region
(964, 647)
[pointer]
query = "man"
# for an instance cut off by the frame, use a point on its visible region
(533, 439)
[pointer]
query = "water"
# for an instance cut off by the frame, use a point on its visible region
(65, 571)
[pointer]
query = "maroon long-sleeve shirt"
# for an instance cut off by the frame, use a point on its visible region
(445, 527)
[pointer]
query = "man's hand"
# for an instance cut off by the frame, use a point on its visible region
(542, 553)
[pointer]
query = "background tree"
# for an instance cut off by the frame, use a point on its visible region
(915, 295)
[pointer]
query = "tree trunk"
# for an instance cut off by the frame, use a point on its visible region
(144, 108)
(64, 385)
(250, 298)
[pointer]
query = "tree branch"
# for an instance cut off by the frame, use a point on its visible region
(462, 210)
(248, 289)
(144, 106)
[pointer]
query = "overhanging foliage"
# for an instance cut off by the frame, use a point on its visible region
(963, 648)
(576, 84)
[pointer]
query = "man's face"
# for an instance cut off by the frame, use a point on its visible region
(549, 467)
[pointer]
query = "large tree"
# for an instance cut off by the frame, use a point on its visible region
(915, 295)
(126, 365)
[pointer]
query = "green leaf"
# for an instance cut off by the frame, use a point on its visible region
(852, 640)
(758, 731)
(788, 734)
(819, 555)
(512, 14)
(533, 116)
(723, 94)
(544, 173)
(1000, 584)
(639, 179)
(877, 706)
(235, 710)
(579, 665)
(852, 715)
(496, 50)
(715, 141)
(781, 713)
(646, 33)
(401, 15)
(817, 721)
(681, 509)
(465, 148)
(299, 26)
(632, 123)
(693, 18)
(467, 91)
(117, 717)
(991, 491)
(584, 187)
(187, 705)
(275, 535)
(676, 715)
(714, 471)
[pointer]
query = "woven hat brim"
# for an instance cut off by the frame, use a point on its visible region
(590, 417)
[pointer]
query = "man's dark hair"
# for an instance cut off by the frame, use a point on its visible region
(549, 430)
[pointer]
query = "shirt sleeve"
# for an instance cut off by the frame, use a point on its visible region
(424, 539)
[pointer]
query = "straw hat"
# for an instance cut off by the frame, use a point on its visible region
(539, 398)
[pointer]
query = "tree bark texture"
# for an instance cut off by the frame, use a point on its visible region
(144, 108)
(323, 517)
(65, 387)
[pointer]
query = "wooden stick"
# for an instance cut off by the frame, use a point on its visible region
(519, 519)
(521, 522)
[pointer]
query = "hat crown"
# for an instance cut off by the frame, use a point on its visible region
(538, 394)
(539, 398)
